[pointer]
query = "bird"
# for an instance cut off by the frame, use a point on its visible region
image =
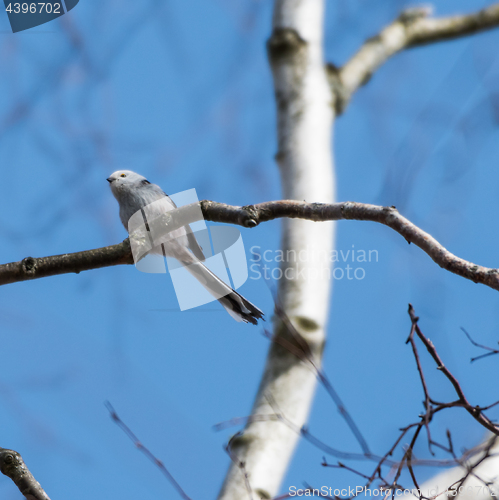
(134, 192)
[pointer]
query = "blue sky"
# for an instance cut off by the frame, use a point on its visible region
(181, 92)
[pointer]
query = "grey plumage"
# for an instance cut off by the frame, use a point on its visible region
(134, 192)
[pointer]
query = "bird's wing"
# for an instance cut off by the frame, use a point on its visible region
(194, 246)
(192, 242)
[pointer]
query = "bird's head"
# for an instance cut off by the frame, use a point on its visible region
(123, 181)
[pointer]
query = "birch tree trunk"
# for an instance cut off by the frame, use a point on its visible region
(305, 116)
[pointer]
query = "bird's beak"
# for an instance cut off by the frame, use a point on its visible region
(109, 179)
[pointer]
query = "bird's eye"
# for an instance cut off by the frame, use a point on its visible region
(123, 175)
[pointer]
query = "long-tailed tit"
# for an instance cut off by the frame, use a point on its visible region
(134, 193)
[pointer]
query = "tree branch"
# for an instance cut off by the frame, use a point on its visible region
(474, 411)
(251, 216)
(412, 28)
(33, 268)
(150, 456)
(13, 466)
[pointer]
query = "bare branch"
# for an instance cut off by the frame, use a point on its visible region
(251, 216)
(31, 268)
(156, 461)
(299, 348)
(475, 411)
(412, 28)
(13, 466)
(484, 347)
(427, 401)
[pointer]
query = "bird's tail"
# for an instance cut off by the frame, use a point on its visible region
(235, 304)
(240, 308)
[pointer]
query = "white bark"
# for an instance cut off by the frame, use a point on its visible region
(305, 117)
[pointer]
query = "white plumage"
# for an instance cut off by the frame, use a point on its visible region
(134, 192)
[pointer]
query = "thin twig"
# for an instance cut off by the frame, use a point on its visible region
(474, 411)
(490, 349)
(145, 451)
